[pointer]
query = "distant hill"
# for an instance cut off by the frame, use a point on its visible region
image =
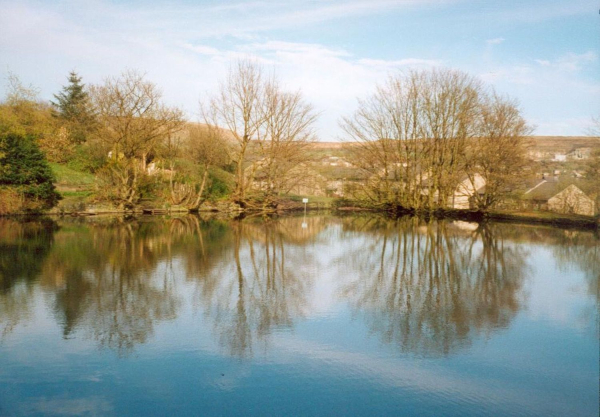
(563, 144)
(544, 144)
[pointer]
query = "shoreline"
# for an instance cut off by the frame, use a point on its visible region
(533, 218)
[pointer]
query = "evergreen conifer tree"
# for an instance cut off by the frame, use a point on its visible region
(24, 169)
(73, 107)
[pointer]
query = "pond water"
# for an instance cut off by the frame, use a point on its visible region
(322, 315)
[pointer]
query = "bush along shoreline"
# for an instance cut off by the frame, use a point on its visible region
(118, 148)
(338, 207)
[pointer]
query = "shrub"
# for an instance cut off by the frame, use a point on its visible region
(24, 170)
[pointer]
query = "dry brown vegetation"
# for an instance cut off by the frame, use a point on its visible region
(417, 136)
(256, 110)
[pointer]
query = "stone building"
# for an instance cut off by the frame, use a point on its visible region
(573, 201)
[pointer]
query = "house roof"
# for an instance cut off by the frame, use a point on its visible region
(546, 189)
(426, 182)
(542, 191)
(574, 189)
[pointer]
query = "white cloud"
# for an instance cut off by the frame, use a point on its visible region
(495, 41)
(93, 405)
(553, 95)
(574, 62)
(202, 49)
(424, 378)
(563, 126)
(330, 78)
(570, 62)
(187, 50)
(532, 12)
(517, 74)
(407, 62)
(293, 47)
(167, 20)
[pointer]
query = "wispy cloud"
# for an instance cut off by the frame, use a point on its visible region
(202, 20)
(434, 382)
(543, 86)
(187, 47)
(401, 63)
(575, 62)
(516, 74)
(93, 405)
(495, 41)
(531, 12)
(570, 62)
(293, 47)
(202, 49)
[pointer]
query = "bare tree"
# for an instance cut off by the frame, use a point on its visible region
(171, 149)
(594, 129)
(499, 151)
(236, 107)
(592, 168)
(270, 129)
(449, 104)
(283, 137)
(413, 133)
(207, 148)
(18, 93)
(386, 136)
(22, 112)
(133, 120)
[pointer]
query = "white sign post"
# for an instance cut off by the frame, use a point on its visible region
(305, 201)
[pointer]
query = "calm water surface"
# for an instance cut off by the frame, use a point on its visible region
(297, 316)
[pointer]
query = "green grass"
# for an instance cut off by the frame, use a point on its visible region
(313, 201)
(547, 217)
(74, 186)
(76, 194)
(543, 214)
(320, 200)
(69, 177)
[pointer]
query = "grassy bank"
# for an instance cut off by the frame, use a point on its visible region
(546, 217)
(524, 217)
(78, 191)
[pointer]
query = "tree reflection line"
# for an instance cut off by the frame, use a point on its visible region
(424, 287)
(427, 290)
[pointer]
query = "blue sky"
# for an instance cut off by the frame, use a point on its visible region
(544, 53)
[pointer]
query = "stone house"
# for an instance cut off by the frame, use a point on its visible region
(580, 153)
(572, 200)
(462, 198)
(300, 179)
(464, 192)
(539, 192)
(559, 157)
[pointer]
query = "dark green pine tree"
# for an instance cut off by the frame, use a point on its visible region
(23, 167)
(73, 106)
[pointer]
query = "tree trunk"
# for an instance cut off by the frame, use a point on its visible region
(199, 197)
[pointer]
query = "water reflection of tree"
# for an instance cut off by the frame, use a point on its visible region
(23, 248)
(107, 281)
(261, 288)
(580, 250)
(111, 279)
(201, 243)
(573, 250)
(427, 288)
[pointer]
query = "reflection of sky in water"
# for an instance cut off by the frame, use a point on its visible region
(329, 361)
(557, 294)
